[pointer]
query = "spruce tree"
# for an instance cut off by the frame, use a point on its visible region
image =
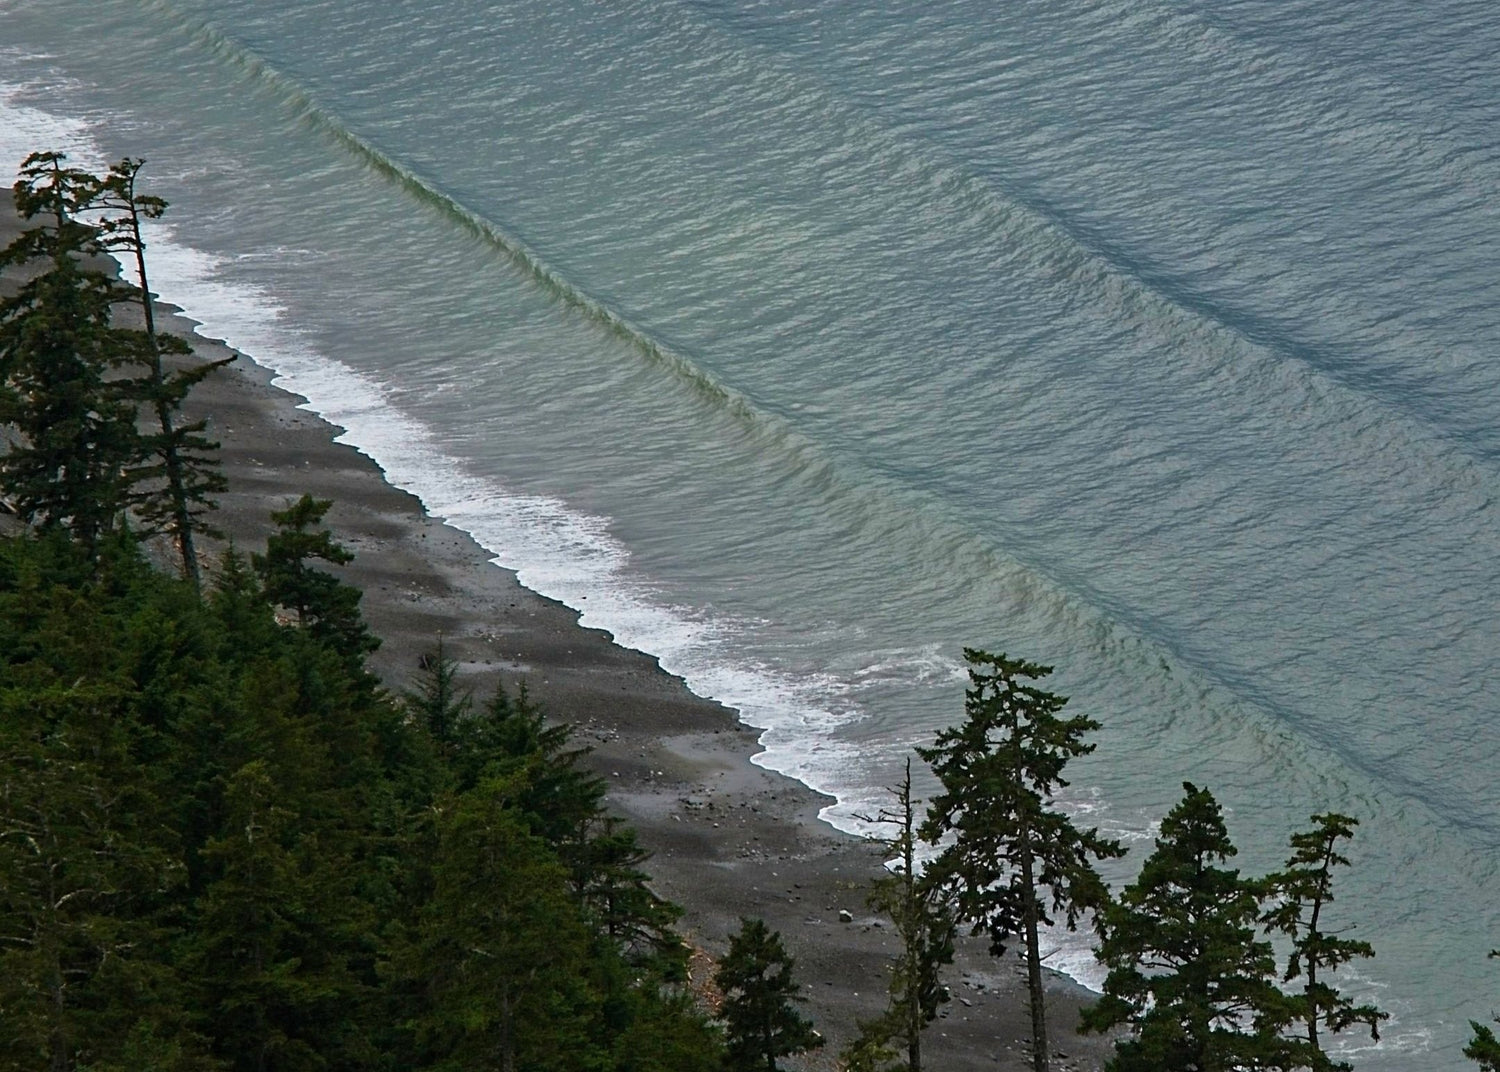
(1014, 858)
(73, 463)
(500, 952)
(1484, 1048)
(185, 461)
(759, 1009)
(1188, 973)
(83, 862)
(268, 952)
(920, 910)
(437, 702)
(1303, 889)
(323, 605)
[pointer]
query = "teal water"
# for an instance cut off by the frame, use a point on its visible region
(804, 345)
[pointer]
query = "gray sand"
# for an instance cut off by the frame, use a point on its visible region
(729, 838)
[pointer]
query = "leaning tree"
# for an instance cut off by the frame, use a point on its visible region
(74, 445)
(1302, 892)
(185, 466)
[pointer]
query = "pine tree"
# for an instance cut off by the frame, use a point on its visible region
(438, 703)
(1187, 972)
(923, 918)
(326, 607)
(1484, 1048)
(510, 736)
(500, 951)
(266, 951)
(608, 877)
(1013, 857)
(81, 865)
(763, 1023)
(78, 446)
(186, 464)
(563, 803)
(1304, 888)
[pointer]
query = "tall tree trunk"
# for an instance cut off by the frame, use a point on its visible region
(182, 520)
(1039, 1051)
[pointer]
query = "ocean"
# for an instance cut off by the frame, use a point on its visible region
(805, 344)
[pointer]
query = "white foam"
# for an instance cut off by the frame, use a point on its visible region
(556, 550)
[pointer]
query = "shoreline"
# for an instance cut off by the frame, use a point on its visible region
(729, 838)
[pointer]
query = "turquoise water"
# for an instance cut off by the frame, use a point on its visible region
(803, 345)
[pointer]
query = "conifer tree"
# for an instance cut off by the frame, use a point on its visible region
(1188, 973)
(78, 445)
(607, 872)
(1303, 889)
(80, 863)
(759, 1010)
(185, 461)
(438, 703)
(923, 918)
(501, 949)
(266, 950)
(563, 803)
(1484, 1048)
(1014, 858)
(559, 797)
(324, 606)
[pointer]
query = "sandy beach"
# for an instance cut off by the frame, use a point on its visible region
(729, 838)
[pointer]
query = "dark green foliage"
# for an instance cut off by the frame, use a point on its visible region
(1484, 1048)
(437, 702)
(1014, 858)
(71, 382)
(919, 908)
(268, 956)
(1187, 972)
(563, 803)
(759, 1010)
(1303, 889)
(322, 604)
(221, 848)
(177, 483)
(501, 949)
(72, 465)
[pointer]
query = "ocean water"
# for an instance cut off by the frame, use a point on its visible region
(803, 345)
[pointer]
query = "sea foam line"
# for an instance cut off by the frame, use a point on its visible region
(560, 552)
(554, 549)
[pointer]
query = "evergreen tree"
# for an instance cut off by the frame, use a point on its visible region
(1484, 1048)
(82, 866)
(326, 607)
(510, 737)
(437, 702)
(1304, 888)
(763, 1023)
(606, 864)
(266, 954)
(78, 444)
(1013, 858)
(185, 465)
(501, 951)
(923, 918)
(1187, 973)
(563, 803)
